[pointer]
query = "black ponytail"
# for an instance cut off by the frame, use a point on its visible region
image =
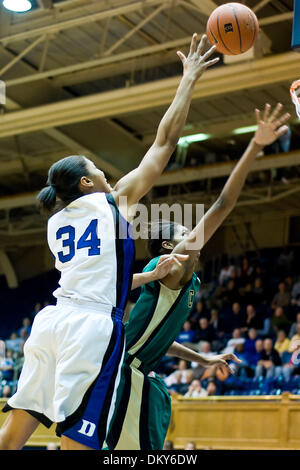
(47, 198)
(63, 182)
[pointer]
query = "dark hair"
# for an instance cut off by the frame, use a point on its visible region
(63, 180)
(158, 232)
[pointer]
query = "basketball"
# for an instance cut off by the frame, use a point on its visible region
(233, 28)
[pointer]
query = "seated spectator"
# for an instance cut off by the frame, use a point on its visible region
(7, 366)
(229, 294)
(232, 319)
(226, 274)
(168, 445)
(184, 375)
(187, 335)
(241, 368)
(253, 320)
(249, 344)
(253, 358)
(295, 292)
(214, 318)
(205, 331)
(25, 328)
(195, 390)
(293, 329)
(295, 340)
(258, 295)
(211, 388)
(14, 342)
(270, 363)
(6, 391)
(52, 446)
(279, 320)
(24, 334)
(285, 261)
(247, 272)
(282, 342)
(267, 331)
(282, 298)
(206, 351)
(246, 294)
(236, 339)
(36, 309)
(199, 312)
(190, 446)
(288, 281)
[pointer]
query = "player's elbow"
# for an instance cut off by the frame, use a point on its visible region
(224, 203)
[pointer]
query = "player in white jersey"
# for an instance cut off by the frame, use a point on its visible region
(73, 355)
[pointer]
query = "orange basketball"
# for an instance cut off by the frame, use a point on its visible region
(233, 28)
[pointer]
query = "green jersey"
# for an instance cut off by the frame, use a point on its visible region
(142, 411)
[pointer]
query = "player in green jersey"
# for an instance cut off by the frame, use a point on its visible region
(142, 411)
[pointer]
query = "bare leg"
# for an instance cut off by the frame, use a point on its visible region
(69, 444)
(17, 429)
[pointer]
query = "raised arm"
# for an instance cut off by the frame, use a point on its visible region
(139, 181)
(269, 129)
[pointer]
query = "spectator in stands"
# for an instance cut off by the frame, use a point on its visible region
(187, 335)
(36, 309)
(281, 298)
(233, 319)
(190, 446)
(241, 368)
(183, 376)
(206, 350)
(258, 296)
(293, 329)
(52, 446)
(168, 445)
(236, 339)
(211, 388)
(14, 342)
(7, 366)
(214, 319)
(295, 339)
(295, 293)
(267, 330)
(247, 272)
(288, 281)
(226, 273)
(230, 294)
(249, 343)
(199, 312)
(195, 390)
(285, 261)
(25, 329)
(280, 321)
(252, 319)
(205, 331)
(6, 391)
(23, 334)
(282, 342)
(270, 362)
(246, 294)
(253, 358)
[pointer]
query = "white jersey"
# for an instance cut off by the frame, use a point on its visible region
(93, 256)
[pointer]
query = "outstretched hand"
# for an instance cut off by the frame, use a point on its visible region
(271, 126)
(197, 60)
(221, 361)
